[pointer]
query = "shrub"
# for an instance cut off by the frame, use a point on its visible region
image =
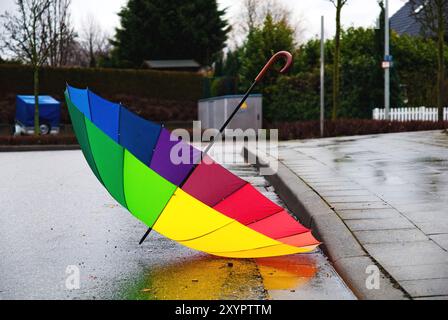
(39, 140)
(160, 96)
(350, 127)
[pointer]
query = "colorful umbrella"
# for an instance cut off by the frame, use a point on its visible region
(199, 204)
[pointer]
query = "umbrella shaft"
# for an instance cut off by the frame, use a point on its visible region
(212, 141)
(221, 130)
(145, 235)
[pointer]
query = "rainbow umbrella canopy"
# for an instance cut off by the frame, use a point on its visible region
(199, 204)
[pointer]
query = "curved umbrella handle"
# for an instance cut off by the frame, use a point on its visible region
(281, 54)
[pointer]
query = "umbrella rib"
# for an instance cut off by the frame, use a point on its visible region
(88, 141)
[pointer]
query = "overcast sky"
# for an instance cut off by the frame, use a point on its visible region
(356, 13)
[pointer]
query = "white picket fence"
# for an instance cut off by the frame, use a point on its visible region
(410, 114)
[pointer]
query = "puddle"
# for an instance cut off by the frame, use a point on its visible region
(211, 278)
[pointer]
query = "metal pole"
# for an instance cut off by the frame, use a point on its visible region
(322, 78)
(386, 58)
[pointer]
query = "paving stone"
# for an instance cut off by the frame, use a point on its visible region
(382, 236)
(427, 216)
(379, 224)
(322, 189)
(426, 287)
(418, 208)
(346, 193)
(333, 184)
(324, 179)
(351, 199)
(419, 272)
(441, 240)
(433, 227)
(355, 269)
(407, 253)
(361, 205)
(369, 214)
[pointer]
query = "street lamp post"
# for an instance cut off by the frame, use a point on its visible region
(322, 77)
(387, 63)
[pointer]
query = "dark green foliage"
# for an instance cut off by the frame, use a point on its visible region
(350, 127)
(154, 84)
(416, 63)
(175, 29)
(159, 96)
(260, 45)
(61, 139)
(292, 98)
(362, 88)
(222, 86)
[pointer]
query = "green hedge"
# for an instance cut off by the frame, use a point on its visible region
(161, 96)
(145, 83)
(350, 127)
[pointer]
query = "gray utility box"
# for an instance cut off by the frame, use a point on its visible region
(213, 112)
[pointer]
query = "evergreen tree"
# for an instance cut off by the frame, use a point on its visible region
(175, 29)
(259, 47)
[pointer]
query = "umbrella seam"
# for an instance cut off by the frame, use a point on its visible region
(270, 246)
(124, 150)
(234, 221)
(87, 136)
(205, 234)
(155, 147)
(230, 194)
(164, 207)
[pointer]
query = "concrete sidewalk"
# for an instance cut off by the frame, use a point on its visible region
(390, 191)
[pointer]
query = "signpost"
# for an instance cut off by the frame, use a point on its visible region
(387, 63)
(322, 78)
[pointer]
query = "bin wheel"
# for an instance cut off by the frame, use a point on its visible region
(45, 128)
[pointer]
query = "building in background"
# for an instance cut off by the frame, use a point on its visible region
(404, 20)
(172, 65)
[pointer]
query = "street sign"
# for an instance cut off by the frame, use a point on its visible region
(387, 64)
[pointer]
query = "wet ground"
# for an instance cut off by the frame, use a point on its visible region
(56, 215)
(391, 192)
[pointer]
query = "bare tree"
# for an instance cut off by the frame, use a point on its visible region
(254, 13)
(27, 36)
(94, 41)
(59, 27)
(338, 4)
(250, 14)
(433, 17)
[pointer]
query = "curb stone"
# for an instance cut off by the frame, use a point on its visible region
(37, 147)
(348, 257)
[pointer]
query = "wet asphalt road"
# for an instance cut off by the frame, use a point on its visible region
(56, 214)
